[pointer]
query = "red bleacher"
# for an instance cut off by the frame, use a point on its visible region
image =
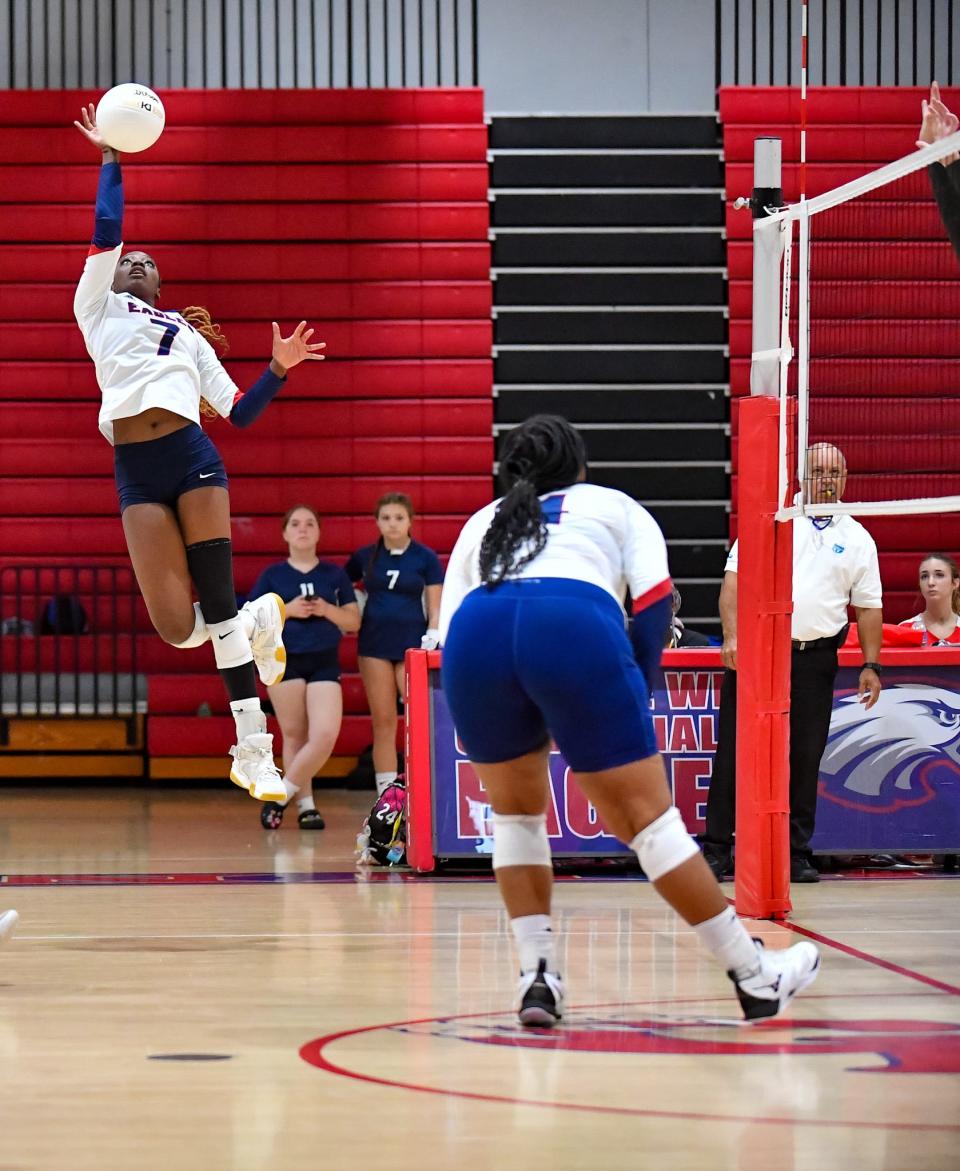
(364, 211)
(906, 346)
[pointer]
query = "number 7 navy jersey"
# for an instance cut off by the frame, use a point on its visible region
(393, 618)
(144, 357)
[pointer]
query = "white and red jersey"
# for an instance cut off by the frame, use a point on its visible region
(594, 534)
(917, 623)
(145, 357)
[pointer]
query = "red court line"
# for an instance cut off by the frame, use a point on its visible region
(313, 1052)
(888, 965)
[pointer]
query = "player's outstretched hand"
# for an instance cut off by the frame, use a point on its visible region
(91, 132)
(291, 351)
(937, 122)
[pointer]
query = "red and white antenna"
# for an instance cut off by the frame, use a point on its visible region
(803, 99)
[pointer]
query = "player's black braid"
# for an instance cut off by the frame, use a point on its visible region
(541, 455)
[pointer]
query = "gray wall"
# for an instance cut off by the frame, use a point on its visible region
(533, 55)
(597, 55)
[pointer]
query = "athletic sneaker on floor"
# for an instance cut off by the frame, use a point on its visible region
(254, 768)
(271, 817)
(541, 997)
(266, 641)
(779, 977)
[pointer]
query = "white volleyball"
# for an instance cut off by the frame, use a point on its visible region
(130, 117)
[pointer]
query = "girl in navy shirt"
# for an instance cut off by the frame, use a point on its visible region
(401, 578)
(321, 607)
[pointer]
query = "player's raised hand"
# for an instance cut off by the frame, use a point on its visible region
(937, 122)
(91, 132)
(291, 351)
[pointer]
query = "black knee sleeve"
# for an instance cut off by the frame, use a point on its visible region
(211, 569)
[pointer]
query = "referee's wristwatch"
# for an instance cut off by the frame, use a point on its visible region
(872, 667)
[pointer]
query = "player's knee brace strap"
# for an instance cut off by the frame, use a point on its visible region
(520, 840)
(211, 570)
(664, 845)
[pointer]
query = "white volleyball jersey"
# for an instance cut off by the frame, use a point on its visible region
(144, 357)
(594, 534)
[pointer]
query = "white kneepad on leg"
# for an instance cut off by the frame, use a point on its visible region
(520, 840)
(664, 845)
(199, 635)
(231, 647)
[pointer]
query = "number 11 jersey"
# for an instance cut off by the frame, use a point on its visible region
(145, 357)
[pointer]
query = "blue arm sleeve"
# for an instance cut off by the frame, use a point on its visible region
(648, 633)
(252, 404)
(108, 221)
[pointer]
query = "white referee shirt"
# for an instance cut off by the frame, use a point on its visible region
(144, 357)
(833, 567)
(594, 534)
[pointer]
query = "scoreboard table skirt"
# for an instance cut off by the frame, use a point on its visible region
(889, 778)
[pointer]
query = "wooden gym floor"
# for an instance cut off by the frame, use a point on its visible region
(188, 993)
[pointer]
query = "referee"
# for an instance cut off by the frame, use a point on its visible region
(834, 565)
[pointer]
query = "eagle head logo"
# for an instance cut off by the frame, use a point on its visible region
(880, 760)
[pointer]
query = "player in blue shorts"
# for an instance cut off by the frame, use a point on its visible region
(535, 646)
(155, 368)
(321, 607)
(401, 578)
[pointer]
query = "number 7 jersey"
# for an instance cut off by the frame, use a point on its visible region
(144, 357)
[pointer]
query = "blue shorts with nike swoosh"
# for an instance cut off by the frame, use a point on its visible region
(159, 471)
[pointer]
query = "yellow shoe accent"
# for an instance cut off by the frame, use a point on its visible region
(239, 781)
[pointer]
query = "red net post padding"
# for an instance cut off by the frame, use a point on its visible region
(417, 752)
(764, 606)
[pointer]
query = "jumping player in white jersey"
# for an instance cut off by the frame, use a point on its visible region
(154, 368)
(535, 646)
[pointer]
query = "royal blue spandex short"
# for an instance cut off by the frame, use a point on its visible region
(158, 471)
(546, 656)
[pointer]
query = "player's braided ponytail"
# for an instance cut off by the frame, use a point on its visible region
(541, 455)
(199, 317)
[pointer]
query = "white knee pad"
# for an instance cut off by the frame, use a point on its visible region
(520, 840)
(231, 647)
(200, 633)
(664, 845)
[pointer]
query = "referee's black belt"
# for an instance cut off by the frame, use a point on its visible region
(831, 642)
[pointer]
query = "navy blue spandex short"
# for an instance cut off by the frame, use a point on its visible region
(159, 471)
(544, 656)
(314, 666)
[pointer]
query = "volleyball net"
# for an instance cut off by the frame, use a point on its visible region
(870, 339)
(868, 360)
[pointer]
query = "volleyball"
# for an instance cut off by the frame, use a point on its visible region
(130, 117)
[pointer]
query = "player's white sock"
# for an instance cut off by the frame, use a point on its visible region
(535, 942)
(727, 938)
(384, 780)
(248, 717)
(306, 803)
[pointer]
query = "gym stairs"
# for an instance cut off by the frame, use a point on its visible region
(610, 308)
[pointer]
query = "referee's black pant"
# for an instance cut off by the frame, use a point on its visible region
(812, 675)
